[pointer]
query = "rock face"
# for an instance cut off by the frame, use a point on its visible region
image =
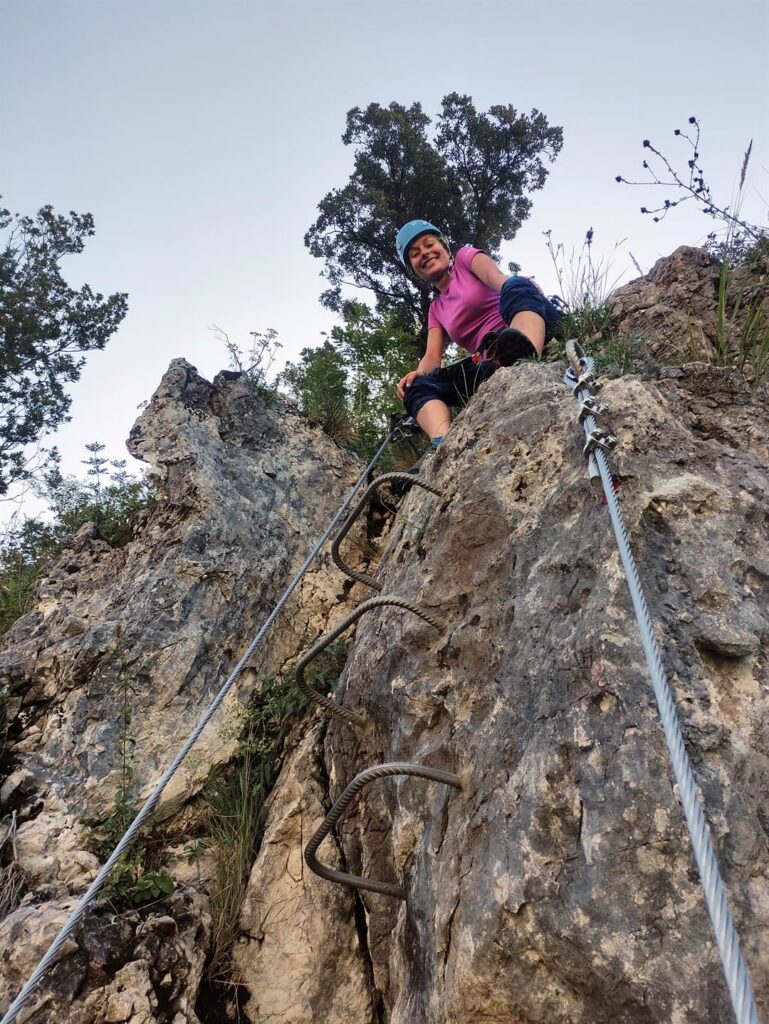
(674, 314)
(558, 886)
(243, 491)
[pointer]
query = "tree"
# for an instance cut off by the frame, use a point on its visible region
(45, 326)
(347, 385)
(472, 178)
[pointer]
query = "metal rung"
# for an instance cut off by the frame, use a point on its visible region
(377, 771)
(403, 478)
(322, 644)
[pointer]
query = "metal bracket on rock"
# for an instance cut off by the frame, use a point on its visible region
(355, 614)
(409, 480)
(590, 406)
(600, 438)
(580, 373)
(377, 771)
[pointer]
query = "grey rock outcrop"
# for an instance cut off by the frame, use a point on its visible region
(674, 315)
(558, 886)
(243, 491)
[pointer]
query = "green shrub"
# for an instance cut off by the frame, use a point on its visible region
(235, 798)
(110, 499)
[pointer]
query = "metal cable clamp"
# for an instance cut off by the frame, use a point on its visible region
(403, 478)
(377, 771)
(600, 438)
(580, 373)
(355, 614)
(590, 406)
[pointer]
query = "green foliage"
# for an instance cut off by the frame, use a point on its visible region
(347, 385)
(137, 877)
(742, 324)
(45, 326)
(110, 498)
(470, 176)
(585, 282)
(235, 799)
(256, 361)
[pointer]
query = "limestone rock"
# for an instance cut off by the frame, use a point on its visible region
(560, 885)
(674, 310)
(169, 615)
(132, 968)
(300, 957)
(154, 628)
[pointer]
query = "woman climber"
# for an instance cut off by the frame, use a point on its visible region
(498, 319)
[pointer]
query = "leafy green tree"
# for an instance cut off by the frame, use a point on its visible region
(110, 498)
(347, 385)
(471, 177)
(45, 327)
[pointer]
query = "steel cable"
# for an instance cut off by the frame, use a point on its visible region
(377, 771)
(74, 918)
(403, 478)
(366, 606)
(727, 940)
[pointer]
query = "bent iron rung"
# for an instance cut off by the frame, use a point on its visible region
(403, 478)
(377, 771)
(355, 614)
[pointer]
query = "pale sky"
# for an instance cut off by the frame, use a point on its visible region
(201, 134)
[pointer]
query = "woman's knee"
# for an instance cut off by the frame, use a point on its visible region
(521, 295)
(422, 390)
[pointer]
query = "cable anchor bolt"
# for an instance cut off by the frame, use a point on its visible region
(600, 438)
(588, 380)
(590, 406)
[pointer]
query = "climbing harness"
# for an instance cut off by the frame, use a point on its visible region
(104, 873)
(377, 771)
(581, 380)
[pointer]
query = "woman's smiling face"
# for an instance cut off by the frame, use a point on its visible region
(429, 258)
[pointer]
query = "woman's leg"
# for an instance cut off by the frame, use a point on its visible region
(434, 418)
(525, 308)
(533, 326)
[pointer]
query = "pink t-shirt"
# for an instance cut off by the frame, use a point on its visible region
(468, 309)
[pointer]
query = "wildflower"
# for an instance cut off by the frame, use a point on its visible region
(692, 120)
(646, 143)
(677, 131)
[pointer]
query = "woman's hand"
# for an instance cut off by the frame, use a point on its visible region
(406, 382)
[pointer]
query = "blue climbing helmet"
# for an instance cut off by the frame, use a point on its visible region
(411, 231)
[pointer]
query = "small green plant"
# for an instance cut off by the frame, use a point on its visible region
(256, 362)
(586, 282)
(235, 798)
(137, 878)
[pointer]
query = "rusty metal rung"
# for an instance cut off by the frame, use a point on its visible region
(377, 771)
(403, 478)
(355, 614)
